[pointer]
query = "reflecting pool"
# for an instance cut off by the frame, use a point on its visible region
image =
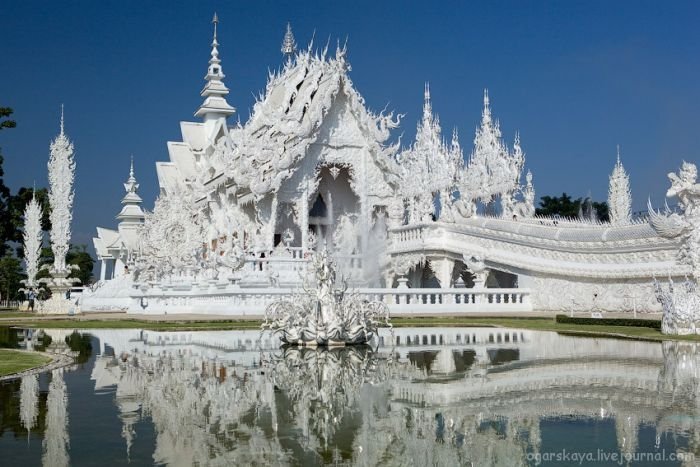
(418, 396)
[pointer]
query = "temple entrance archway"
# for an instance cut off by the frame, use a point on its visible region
(333, 200)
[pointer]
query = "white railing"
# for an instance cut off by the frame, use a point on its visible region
(406, 234)
(413, 301)
(253, 301)
(296, 262)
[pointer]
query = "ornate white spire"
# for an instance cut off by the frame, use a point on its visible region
(437, 162)
(289, 45)
(33, 236)
(61, 176)
(215, 91)
(619, 195)
(427, 106)
(486, 113)
(131, 216)
(492, 170)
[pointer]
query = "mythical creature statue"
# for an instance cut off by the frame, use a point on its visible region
(685, 225)
(681, 307)
(324, 315)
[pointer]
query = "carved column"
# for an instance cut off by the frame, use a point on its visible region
(272, 223)
(389, 278)
(442, 268)
(480, 279)
(304, 220)
(365, 212)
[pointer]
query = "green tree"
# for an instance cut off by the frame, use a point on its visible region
(6, 226)
(569, 208)
(10, 277)
(79, 256)
(562, 206)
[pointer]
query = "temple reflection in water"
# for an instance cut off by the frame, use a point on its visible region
(421, 396)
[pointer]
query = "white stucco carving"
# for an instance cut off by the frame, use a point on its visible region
(33, 236)
(243, 208)
(684, 226)
(61, 176)
(619, 195)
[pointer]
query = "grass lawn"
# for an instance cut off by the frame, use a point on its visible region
(16, 314)
(13, 361)
(537, 324)
(70, 323)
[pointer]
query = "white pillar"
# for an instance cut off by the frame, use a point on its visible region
(304, 220)
(273, 223)
(442, 268)
(103, 269)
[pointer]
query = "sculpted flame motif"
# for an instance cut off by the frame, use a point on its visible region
(324, 314)
(171, 238)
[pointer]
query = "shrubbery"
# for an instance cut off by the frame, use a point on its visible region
(638, 323)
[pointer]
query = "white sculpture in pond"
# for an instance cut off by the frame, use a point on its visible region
(324, 315)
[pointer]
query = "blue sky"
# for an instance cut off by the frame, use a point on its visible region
(575, 78)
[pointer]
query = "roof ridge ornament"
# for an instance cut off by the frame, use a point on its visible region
(289, 45)
(486, 114)
(62, 123)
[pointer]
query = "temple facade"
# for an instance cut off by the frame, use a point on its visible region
(242, 209)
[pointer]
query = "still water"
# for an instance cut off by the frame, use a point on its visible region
(421, 396)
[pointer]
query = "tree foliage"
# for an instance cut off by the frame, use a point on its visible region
(10, 277)
(565, 206)
(6, 227)
(79, 256)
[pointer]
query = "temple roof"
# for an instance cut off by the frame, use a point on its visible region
(286, 120)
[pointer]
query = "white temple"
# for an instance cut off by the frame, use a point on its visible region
(243, 207)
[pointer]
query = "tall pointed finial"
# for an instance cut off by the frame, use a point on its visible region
(486, 114)
(214, 106)
(62, 126)
(618, 154)
(427, 107)
(289, 45)
(131, 184)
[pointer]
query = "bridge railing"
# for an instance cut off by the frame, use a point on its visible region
(451, 300)
(253, 301)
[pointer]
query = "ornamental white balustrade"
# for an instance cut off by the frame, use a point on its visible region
(253, 301)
